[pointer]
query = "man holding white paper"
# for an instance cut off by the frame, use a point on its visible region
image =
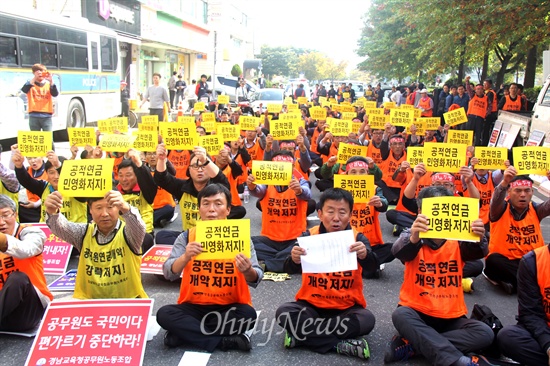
(332, 300)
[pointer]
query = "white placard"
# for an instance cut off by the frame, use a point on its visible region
(327, 253)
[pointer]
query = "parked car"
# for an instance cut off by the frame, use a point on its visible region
(265, 97)
(226, 85)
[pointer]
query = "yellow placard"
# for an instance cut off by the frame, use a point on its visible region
(208, 117)
(374, 112)
(81, 136)
(228, 132)
(455, 117)
(111, 125)
(346, 151)
(339, 127)
(318, 113)
(415, 155)
(112, 142)
(406, 106)
(145, 140)
(212, 144)
(440, 157)
(223, 99)
(209, 126)
(461, 137)
(369, 104)
(86, 177)
(301, 100)
(531, 159)
(34, 144)
(288, 101)
(346, 108)
(284, 130)
(150, 120)
(378, 122)
(401, 117)
(355, 126)
(390, 105)
(186, 119)
(223, 239)
(349, 115)
(333, 100)
(345, 95)
(274, 107)
(248, 123)
(491, 157)
(360, 186)
(420, 128)
(450, 218)
(151, 126)
(179, 136)
(326, 103)
(199, 106)
(432, 123)
(272, 172)
(292, 107)
(322, 100)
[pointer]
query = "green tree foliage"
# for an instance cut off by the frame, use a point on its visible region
(236, 70)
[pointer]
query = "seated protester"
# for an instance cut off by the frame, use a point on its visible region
(328, 146)
(115, 235)
(331, 167)
(431, 319)
(164, 204)
(299, 148)
(239, 154)
(372, 138)
(364, 216)
(255, 144)
(188, 322)
(180, 161)
(201, 172)
(223, 116)
(29, 209)
(340, 308)
(119, 157)
(138, 188)
(393, 154)
(24, 293)
(528, 341)
(284, 211)
(317, 134)
(74, 209)
(413, 139)
(233, 171)
(10, 185)
(515, 228)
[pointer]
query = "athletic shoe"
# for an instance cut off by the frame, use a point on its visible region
(399, 350)
(174, 217)
(495, 283)
(290, 341)
(354, 347)
(478, 360)
(507, 287)
(397, 230)
(468, 285)
(172, 340)
(237, 341)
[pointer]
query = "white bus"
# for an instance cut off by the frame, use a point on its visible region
(82, 57)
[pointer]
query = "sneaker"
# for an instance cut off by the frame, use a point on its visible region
(399, 350)
(468, 285)
(383, 266)
(507, 287)
(174, 217)
(495, 283)
(290, 341)
(237, 341)
(397, 230)
(172, 340)
(354, 347)
(478, 360)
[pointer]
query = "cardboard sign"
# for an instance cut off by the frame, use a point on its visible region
(346, 151)
(441, 157)
(212, 144)
(150, 120)
(360, 186)
(349, 115)
(406, 106)
(390, 105)
(64, 283)
(117, 142)
(274, 107)
(292, 107)
(417, 113)
(420, 128)
(322, 100)
(112, 125)
(86, 177)
(455, 117)
(378, 122)
(401, 117)
(56, 253)
(284, 130)
(228, 132)
(186, 119)
(288, 100)
(531, 159)
(248, 123)
(179, 136)
(34, 144)
(223, 99)
(345, 95)
(318, 113)
(153, 260)
(272, 172)
(346, 108)
(460, 137)
(199, 106)
(149, 127)
(301, 100)
(223, 239)
(339, 127)
(208, 117)
(110, 332)
(145, 140)
(431, 123)
(495, 133)
(355, 126)
(491, 157)
(415, 155)
(369, 104)
(450, 218)
(81, 136)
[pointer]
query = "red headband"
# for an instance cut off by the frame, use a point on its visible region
(396, 139)
(443, 176)
(356, 164)
(287, 144)
(521, 183)
(290, 159)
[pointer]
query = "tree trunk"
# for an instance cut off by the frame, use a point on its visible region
(530, 68)
(485, 67)
(462, 57)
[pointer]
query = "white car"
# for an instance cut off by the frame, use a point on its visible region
(265, 97)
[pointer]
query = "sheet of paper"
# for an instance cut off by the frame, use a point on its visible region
(328, 252)
(194, 359)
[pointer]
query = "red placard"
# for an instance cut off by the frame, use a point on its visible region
(56, 252)
(92, 332)
(154, 259)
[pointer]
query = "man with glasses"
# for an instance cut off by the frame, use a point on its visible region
(24, 293)
(392, 151)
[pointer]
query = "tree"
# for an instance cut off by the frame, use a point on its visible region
(236, 70)
(311, 65)
(333, 71)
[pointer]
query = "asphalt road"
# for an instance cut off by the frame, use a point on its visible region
(381, 294)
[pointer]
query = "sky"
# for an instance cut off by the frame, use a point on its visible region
(331, 27)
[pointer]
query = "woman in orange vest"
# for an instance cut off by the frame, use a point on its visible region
(40, 90)
(431, 317)
(425, 104)
(210, 287)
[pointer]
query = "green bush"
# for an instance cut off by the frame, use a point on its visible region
(236, 70)
(532, 93)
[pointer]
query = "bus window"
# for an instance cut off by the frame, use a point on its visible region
(30, 51)
(7, 25)
(8, 51)
(48, 54)
(71, 36)
(81, 58)
(95, 64)
(108, 53)
(66, 56)
(36, 30)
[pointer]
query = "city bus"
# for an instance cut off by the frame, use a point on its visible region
(82, 57)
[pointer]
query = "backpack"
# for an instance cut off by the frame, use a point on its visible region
(484, 314)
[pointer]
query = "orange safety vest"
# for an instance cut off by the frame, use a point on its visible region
(389, 166)
(485, 193)
(31, 196)
(478, 106)
(162, 198)
(212, 282)
(374, 153)
(40, 99)
(32, 267)
(494, 106)
(364, 219)
(256, 153)
(283, 215)
(512, 105)
(513, 239)
(432, 283)
(314, 143)
(180, 160)
(117, 162)
(242, 178)
(337, 290)
(425, 103)
(542, 257)
(425, 181)
(409, 99)
(333, 151)
(235, 199)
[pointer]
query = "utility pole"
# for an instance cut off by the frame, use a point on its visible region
(215, 59)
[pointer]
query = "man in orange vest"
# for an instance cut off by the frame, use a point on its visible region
(515, 228)
(40, 90)
(214, 308)
(431, 317)
(332, 301)
(392, 150)
(163, 204)
(233, 171)
(478, 110)
(493, 107)
(24, 293)
(528, 341)
(512, 102)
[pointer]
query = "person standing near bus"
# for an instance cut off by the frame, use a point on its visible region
(124, 99)
(40, 90)
(157, 95)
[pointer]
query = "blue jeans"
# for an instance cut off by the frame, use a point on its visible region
(40, 123)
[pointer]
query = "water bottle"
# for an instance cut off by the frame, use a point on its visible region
(246, 194)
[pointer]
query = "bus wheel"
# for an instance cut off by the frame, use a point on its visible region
(75, 118)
